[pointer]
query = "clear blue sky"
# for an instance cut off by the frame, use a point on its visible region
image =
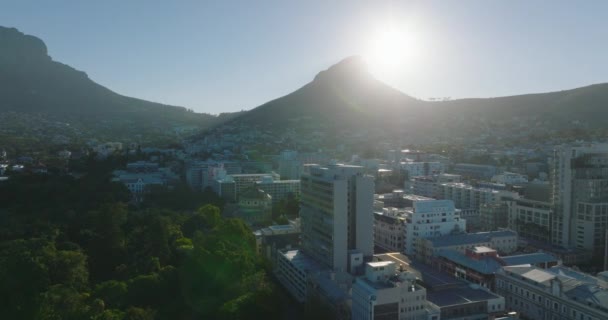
(231, 55)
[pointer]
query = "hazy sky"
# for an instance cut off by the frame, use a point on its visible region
(231, 55)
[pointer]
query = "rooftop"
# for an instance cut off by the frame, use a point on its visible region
(459, 296)
(469, 238)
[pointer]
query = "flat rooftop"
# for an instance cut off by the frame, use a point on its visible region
(459, 296)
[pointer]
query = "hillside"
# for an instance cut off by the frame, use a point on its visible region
(33, 85)
(346, 98)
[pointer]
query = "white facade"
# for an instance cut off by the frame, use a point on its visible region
(279, 189)
(428, 219)
(415, 169)
(466, 196)
(336, 213)
(385, 293)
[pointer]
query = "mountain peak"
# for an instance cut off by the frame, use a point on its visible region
(18, 47)
(350, 67)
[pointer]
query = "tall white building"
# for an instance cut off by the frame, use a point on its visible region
(428, 219)
(579, 177)
(336, 212)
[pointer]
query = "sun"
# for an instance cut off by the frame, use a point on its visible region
(391, 50)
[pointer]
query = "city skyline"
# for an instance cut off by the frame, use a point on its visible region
(236, 56)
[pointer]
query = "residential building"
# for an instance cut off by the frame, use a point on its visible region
(554, 293)
(428, 186)
(429, 219)
(579, 177)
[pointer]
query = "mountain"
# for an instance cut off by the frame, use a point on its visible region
(346, 99)
(33, 85)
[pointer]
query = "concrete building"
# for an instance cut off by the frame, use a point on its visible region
(579, 177)
(279, 189)
(415, 169)
(479, 265)
(225, 188)
(504, 241)
(396, 199)
(493, 216)
(554, 293)
(466, 196)
(476, 171)
(389, 229)
(271, 239)
(336, 212)
(428, 186)
(429, 219)
(246, 181)
(510, 178)
(531, 219)
(387, 293)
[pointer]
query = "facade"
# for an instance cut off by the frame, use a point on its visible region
(479, 265)
(246, 181)
(271, 239)
(254, 206)
(279, 189)
(579, 177)
(477, 171)
(428, 186)
(336, 212)
(554, 293)
(504, 241)
(510, 178)
(493, 216)
(290, 167)
(415, 169)
(429, 219)
(389, 229)
(386, 293)
(225, 188)
(396, 199)
(466, 196)
(531, 219)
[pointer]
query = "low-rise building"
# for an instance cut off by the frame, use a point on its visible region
(504, 241)
(554, 293)
(279, 189)
(389, 229)
(387, 293)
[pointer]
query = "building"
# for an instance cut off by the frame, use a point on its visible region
(493, 216)
(429, 219)
(428, 186)
(466, 196)
(504, 241)
(579, 177)
(279, 189)
(246, 181)
(415, 169)
(510, 178)
(203, 174)
(385, 292)
(225, 188)
(477, 171)
(458, 299)
(271, 239)
(254, 206)
(389, 229)
(141, 176)
(479, 265)
(531, 219)
(554, 293)
(290, 167)
(336, 212)
(397, 199)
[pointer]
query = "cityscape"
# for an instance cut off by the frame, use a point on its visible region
(345, 198)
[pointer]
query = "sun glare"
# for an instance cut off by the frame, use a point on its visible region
(392, 50)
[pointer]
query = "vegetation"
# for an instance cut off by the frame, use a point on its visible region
(72, 249)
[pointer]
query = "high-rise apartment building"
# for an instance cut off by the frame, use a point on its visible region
(579, 177)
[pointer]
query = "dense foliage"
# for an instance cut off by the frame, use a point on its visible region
(72, 249)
